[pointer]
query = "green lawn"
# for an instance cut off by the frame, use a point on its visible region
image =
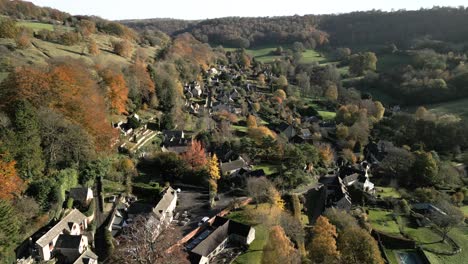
(35, 26)
(311, 56)
(383, 221)
(255, 252)
(460, 235)
(465, 210)
(264, 54)
(427, 238)
(391, 256)
(240, 128)
(457, 107)
(387, 192)
(327, 115)
(112, 187)
(267, 168)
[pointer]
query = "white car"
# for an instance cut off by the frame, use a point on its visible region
(204, 220)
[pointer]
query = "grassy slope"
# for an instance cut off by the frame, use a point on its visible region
(460, 235)
(387, 192)
(263, 54)
(39, 53)
(382, 221)
(255, 252)
(458, 107)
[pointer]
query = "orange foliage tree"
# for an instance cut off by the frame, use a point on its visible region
(117, 90)
(11, 184)
(279, 249)
(323, 247)
(195, 155)
(258, 133)
(66, 86)
(139, 80)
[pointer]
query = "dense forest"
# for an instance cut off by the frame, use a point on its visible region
(353, 29)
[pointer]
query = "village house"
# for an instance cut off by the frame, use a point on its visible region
(83, 195)
(357, 177)
(74, 224)
(231, 168)
(163, 212)
(174, 141)
(213, 239)
(69, 248)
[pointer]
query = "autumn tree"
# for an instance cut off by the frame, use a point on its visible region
(195, 155)
(123, 48)
(8, 28)
(331, 92)
(362, 62)
(11, 183)
(251, 121)
(86, 27)
(93, 48)
(261, 79)
(323, 247)
(326, 154)
(213, 171)
(357, 246)
(141, 86)
(281, 82)
(274, 198)
(117, 90)
(279, 249)
(23, 38)
(259, 133)
(67, 86)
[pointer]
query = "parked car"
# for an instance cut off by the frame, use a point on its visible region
(203, 221)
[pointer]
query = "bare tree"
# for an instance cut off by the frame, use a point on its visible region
(446, 219)
(143, 242)
(258, 188)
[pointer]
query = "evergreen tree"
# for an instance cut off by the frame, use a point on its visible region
(28, 152)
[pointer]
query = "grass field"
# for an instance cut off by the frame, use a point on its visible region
(387, 192)
(267, 168)
(264, 54)
(255, 252)
(35, 26)
(383, 221)
(427, 238)
(465, 210)
(327, 115)
(458, 108)
(460, 235)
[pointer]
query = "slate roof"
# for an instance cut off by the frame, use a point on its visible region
(350, 179)
(86, 257)
(68, 241)
(74, 216)
(79, 194)
(173, 134)
(233, 165)
(223, 228)
(165, 201)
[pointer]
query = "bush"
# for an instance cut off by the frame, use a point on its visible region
(70, 203)
(91, 208)
(123, 48)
